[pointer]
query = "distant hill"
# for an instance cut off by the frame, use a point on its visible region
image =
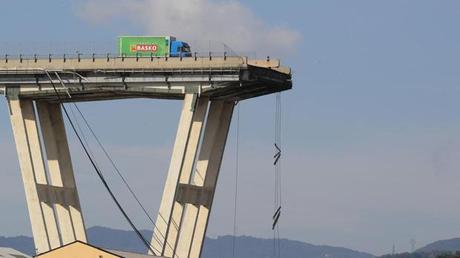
(21, 243)
(449, 245)
(115, 239)
(250, 247)
(410, 255)
(7, 252)
(247, 247)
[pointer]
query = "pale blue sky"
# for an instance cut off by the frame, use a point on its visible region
(371, 128)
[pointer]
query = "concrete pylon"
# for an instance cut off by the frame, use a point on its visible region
(191, 182)
(63, 190)
(52, 198)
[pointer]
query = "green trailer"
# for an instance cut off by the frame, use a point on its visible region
(147, 46)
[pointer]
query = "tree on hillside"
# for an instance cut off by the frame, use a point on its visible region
(449, 255)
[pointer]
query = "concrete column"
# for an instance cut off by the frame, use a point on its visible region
(43, 221)
(199, 117)
(196, 217)
(188, 194)
(65, 198)
(164, 221)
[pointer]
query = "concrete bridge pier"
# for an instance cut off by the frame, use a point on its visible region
(51, 194)
(192, 176)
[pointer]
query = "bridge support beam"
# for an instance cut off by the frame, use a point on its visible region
(52, 199)
(191, 182)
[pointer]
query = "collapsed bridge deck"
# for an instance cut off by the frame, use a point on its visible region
(219, 78)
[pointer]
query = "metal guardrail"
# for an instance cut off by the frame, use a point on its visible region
(5, 58)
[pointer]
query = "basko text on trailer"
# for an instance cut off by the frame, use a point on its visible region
(144, 46)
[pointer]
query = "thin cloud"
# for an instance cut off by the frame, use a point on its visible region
(229, 22)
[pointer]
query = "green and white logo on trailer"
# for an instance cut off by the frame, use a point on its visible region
(144, 46)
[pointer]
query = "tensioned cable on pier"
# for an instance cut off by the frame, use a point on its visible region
(96, 168)
(130, 189)
(237, 169)
(108, 156)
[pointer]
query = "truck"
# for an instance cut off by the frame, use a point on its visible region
(152, 46)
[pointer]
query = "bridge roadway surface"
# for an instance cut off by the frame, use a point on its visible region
(230, 78)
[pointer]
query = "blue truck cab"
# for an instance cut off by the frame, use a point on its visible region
(179, 48)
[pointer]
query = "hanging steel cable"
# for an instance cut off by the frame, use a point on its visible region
(125, 182)
(237, 168)
(96, 168)
(88, 126)
(277, 177)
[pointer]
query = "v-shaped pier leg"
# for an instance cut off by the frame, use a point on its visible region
(41, 213)
(204, 181)
(52, 198)
(187, 140)
(62, 190)
(190, 185)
